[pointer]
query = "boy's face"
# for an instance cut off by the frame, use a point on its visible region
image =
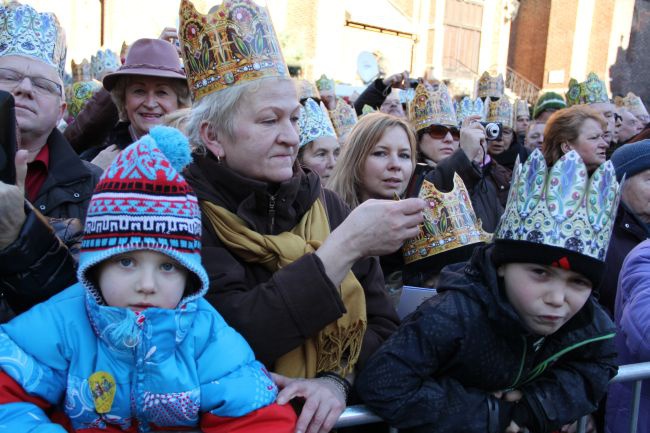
(545, 297)
(142, 279)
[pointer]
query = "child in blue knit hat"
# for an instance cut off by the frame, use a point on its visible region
(133, 346)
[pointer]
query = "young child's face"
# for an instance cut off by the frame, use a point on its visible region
(545, 297)
(142, 279)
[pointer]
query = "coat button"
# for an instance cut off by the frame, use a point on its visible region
(76, 195)
(627, 226)
(42, 207)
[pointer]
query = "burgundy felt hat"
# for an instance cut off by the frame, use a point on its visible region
(148, 57)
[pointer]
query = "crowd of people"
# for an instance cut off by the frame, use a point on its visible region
(196, 240)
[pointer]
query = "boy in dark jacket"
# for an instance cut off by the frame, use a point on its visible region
(514, 339)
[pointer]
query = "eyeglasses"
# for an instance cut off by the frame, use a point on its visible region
(438, 132)
(43, 86)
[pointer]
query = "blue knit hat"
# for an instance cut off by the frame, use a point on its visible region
(143, 203)
(631, 159)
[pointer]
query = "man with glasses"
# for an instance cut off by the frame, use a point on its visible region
(51, 180)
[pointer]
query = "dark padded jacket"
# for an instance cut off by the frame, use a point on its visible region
(437, 373)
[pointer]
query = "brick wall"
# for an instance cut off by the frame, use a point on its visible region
(528, 37)
(599, 41)
(299, 36)
(559, 47)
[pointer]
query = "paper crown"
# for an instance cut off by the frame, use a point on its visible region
(25, 32)
(431, 107)
(104, 62)
(79, 93)
(521, 108)
(469, 107)
(80, 71)
(314, 122)
(499, 111)
(306, 89)
(632, 103)
(561, 207)
(591, 91)
(489, 86)
(233, 45)
(324, 83)
(123, 52)
(367, 109)
(449, 223)
(343, 117)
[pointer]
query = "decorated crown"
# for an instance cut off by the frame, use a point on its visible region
(80, 92)
(489, 86)
(499, 111)
(314, 123)
(632, 103)
(80, 71)
(521, 108)
(449, 223)
(468, 107)
(324, 83)
(343, 117)
(367, 109)
(25, 32)
(234, 44)
(123, 52)
(590, 92)
(306, 89)
(104, 62)
(561, 207)
(431, 106)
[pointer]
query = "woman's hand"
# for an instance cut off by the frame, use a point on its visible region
(472, 138)
(324, 402)
(12, 198)
(106, 157)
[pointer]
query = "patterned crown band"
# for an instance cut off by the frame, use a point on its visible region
(324, 83)
(499, 111)
(233, 45)
(468, 107)
(306, 89)
(103, 62)
(314, 123)
(489, 86)
(449, 223)
(343, 117)
(561, 207)
(632, 103)
(431, 107)
(25, 32)
(80, 71)
(592, 91)
(521, 109)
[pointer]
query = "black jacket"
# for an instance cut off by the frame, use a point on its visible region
(374, 95)
(437, 373)
(41, 261)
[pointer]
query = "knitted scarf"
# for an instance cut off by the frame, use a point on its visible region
(336, 347)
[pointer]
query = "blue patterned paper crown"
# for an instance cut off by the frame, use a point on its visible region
(104, 62)
(562, 207)
(469, 107)
(25, 32)
(314, 122)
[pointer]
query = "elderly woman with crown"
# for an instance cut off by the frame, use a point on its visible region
(290, 267)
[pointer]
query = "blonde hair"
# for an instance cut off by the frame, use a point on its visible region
(346, 179)
(118, 93)
(564, 127)
(178, 119)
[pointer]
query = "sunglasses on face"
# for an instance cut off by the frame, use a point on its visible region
(438, 132)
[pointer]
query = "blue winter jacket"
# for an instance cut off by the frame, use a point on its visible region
(169, 366)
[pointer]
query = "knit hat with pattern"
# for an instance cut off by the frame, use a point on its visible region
(143, 203)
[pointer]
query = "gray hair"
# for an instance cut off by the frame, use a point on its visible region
(118, 93)
(219, 110)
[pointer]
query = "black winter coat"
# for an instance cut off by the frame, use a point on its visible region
(437, 373)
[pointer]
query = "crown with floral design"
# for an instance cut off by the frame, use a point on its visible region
(233, 45)
(324, 83)
(632, 103)
(80, 71)
(25, 32)
(449, 223)
(306, 89)
(591, 91)
(79, 93)
(499, 111)
(367, 109)
(314, 122)
(431, 107)
(343, 117)
(469, 107)
(104, 62)
(489, 86)
(562, 207)
(521, 108)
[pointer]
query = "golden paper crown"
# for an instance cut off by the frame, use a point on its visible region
(521, 108)
(81, 71)
(633, 104)
(343, 117)
(233, 45)
(305, 89)
(500, 111)
(592, 91)
(489, 86)
(449, 223)
(123, 52)
(324, 83)
(431, 107)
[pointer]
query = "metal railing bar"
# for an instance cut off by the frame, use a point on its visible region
(634, 418)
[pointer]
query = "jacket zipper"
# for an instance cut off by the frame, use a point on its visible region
(521, 365)
(271, 213)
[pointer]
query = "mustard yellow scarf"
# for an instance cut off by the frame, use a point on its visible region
(336, 347)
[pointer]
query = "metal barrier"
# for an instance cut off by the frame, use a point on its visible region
(359, 415)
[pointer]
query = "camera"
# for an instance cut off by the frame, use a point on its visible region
(493, 130)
